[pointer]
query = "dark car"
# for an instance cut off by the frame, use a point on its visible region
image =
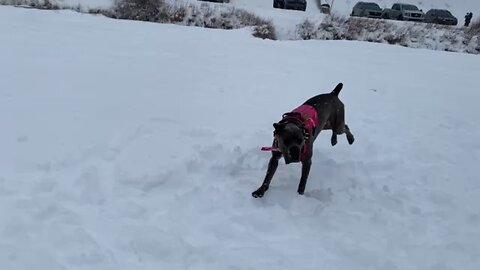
(290, 4)
(216, 1)
(367, 9)
(440, 16)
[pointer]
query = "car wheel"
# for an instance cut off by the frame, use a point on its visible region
(400, 18)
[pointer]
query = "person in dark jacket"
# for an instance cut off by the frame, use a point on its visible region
(468, 18)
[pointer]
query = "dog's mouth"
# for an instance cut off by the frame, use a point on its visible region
(288, 161)
(293, 154)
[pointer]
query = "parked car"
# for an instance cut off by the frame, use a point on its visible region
(216, 1)
(367, 9)
(403, 12)
(440, 16)
(325, 8)
(290, 4)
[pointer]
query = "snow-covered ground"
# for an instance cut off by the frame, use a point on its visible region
(130, 145)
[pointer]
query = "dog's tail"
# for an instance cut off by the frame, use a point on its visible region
(337, 89)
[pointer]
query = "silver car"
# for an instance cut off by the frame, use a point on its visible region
(403, 12)
(367, 9)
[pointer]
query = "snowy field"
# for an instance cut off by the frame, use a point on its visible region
(129, 145)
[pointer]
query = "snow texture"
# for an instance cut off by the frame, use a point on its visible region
(130, 145)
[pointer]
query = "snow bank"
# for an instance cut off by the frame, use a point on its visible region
(408, 34)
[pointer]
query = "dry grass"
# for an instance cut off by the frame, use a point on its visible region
(474, 28)
(417, 35)
(193, 15)
(39, 4)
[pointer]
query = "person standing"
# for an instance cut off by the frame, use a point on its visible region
(468, 18)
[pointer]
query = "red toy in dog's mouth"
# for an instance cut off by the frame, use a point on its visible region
(269, 148)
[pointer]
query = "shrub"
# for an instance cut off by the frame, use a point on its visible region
(40, 4)
(474, 28)
(140, 10)
(306, 30)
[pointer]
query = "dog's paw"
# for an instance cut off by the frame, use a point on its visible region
(334, 140)
(258, 193)
(350, 138)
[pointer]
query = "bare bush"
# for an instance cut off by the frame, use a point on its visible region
(203, 15)
(474, 29)
(261, 28)
(306, 30)
(265, 31)
(140, 10)
(40, 4)
(416, 35)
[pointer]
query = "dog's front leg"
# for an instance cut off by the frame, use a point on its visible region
(303, 179)
(272, 167)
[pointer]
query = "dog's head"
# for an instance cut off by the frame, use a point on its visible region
(291, 139)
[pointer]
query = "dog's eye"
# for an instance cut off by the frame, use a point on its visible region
(297, 141)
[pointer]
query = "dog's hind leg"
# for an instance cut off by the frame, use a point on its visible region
(328, 126)
(334, 138)
(349, 134)
(272, 167)
(339, 127)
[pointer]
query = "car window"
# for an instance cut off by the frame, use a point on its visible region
(409, 7)
(371, 6)
(396, 7)
(444, 13)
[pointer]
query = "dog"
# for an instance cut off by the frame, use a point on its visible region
(295, 134)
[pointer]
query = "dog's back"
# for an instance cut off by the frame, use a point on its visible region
(328, 108)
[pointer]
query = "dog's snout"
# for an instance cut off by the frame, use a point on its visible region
(294, 153)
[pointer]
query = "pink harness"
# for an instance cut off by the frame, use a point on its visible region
(305, 114)
(308, 117)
